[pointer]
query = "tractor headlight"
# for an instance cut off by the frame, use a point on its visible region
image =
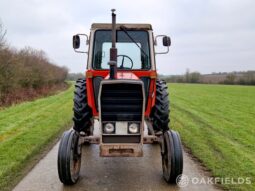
(108, 128)
(133, 128)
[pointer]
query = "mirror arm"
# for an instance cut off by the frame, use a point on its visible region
(80, 51)
(155, 41)
(87, 41)
(163, 52)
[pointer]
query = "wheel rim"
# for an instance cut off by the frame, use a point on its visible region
(166, 160)
(75, 159)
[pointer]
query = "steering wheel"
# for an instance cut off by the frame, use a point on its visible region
(122, 62)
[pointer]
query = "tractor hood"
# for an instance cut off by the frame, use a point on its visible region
(124, 75)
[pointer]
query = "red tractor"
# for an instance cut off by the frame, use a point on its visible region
(123, 93)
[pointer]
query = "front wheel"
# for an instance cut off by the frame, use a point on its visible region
(69, 158)
(172, 158)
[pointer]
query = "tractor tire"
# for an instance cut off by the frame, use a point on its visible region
(82, 116)
(172, 158)
(160, 112)
(69, 158)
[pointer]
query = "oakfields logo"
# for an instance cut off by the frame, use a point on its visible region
(183, 180)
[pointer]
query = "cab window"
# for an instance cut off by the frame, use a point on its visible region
(131, 56)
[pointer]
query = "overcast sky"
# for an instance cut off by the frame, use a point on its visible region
(207, 36)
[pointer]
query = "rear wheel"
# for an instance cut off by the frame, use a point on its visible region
(160, 112)
(172, 158)
(69, 158)
(82, 117)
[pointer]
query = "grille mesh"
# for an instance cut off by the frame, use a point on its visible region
(121, 102)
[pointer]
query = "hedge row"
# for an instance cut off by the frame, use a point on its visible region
(27, 69)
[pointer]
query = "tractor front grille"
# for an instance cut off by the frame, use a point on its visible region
(121, 102)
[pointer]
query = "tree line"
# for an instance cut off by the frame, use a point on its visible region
(74, 76)
(25, 71)
(238, 78)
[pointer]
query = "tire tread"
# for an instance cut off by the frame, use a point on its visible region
(82, 113)
(160, 112)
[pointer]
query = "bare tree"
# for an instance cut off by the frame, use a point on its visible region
(230, 78)
(187, 75)
(2, 35)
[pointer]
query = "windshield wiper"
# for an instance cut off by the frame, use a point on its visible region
(124, 29)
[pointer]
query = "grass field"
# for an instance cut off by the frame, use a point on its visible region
(27, 128)
(217, 122)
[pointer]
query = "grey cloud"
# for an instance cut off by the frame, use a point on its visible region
(207, 36)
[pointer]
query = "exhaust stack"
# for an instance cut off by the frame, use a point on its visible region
(113, 50)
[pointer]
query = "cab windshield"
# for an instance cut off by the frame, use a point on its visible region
(131, 55)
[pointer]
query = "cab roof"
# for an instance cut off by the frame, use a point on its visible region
(131, 26)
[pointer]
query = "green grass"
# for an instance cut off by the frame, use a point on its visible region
(26, 129)
(217, 122)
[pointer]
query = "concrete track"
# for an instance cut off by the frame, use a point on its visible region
(124, 174)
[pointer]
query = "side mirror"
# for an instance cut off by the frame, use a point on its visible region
(76, 41)
(166, 41)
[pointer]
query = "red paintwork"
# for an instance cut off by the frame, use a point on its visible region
(135, 75)
(124, 75)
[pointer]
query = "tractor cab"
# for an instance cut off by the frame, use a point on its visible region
(132, 43)
(121, 90)
(135, 57)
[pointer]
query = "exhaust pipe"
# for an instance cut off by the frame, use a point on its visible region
(113, 49)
